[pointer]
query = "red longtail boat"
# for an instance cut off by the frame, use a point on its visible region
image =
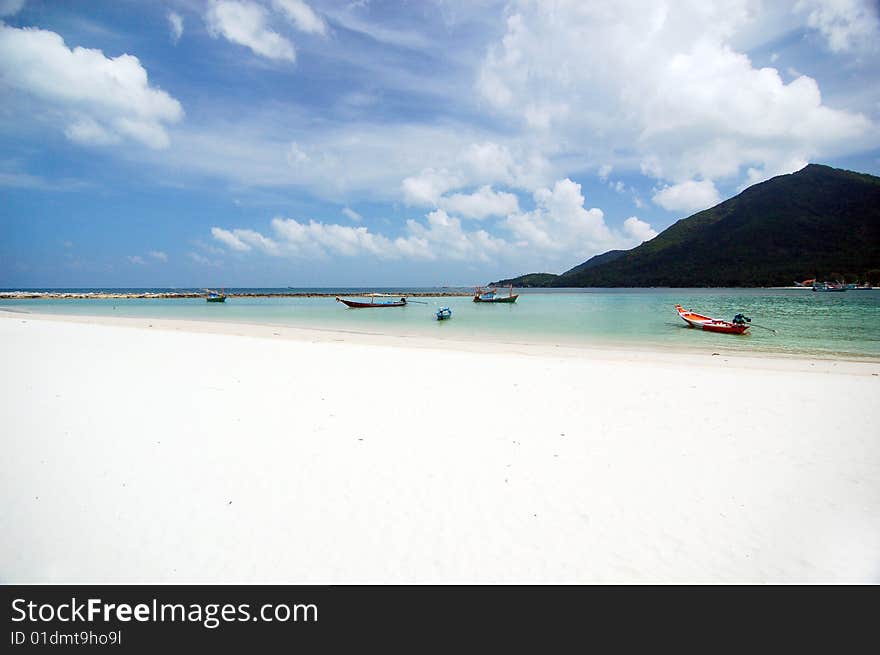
(737, 326)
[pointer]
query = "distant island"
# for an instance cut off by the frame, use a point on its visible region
(819, 222)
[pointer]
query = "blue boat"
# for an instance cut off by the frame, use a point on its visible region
(443, 313)
(214, 296)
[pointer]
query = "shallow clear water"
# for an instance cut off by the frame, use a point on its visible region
(825, 324)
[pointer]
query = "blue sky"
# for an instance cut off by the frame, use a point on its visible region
(307, 143)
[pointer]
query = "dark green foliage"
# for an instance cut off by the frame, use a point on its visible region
(812, 223)
(595, 261)
(528, 280)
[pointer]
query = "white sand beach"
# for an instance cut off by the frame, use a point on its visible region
(162, 451)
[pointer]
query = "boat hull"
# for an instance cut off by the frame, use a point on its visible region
(217, 299)
(354, 304)
(710, 324)
(507, 299)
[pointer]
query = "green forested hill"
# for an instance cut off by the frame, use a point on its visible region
(812, 223)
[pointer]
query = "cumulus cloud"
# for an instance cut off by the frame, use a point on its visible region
(440, 234)
(560, 222)
(444, 236)
(316, 239)
(243, 240)
(846, 25)
(638, 229)
(427, 187)
(301, 15)
(135, 259)
(488, 162)
(480, 204)
(101, 100)
(660, 82)
(688, 196)
(175, 22)
(559, 229)
(158, 255)
(480, 163)
(244, 23)
(229, 239)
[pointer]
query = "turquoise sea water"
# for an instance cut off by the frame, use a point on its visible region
(807, 323)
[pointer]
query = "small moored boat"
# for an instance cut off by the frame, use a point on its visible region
(829, 286)
(491, 295)
(444, 313)
(356, 304)
(214, 296)
(738, 326)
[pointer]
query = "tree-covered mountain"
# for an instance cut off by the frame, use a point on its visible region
(812, 223)
(528, 280)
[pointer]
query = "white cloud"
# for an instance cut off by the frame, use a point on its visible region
(444, 237)
(560, 222)
(688, 196)
(479, 163)
(244, 23)
(655, 81)
(158, 255)
(352, 214)
(638, 229)
(427, 187)
(846, 25)
(135, 259)
(441, 235)
(558, 231)
(229, 239)
(100, 100)
(10, 7)
(303, 16)
(90, 132)
(316, 239)
(244, 240)
(175, 22)
(480, 204)
(605, 171)
(488, 163)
